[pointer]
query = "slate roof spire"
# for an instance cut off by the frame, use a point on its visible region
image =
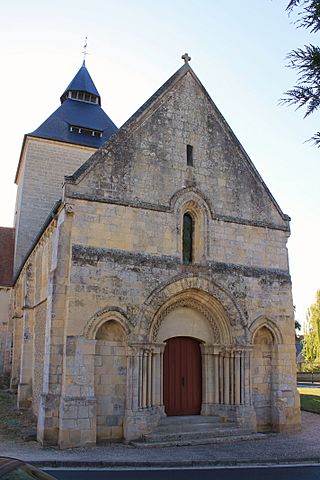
(82, 83)
(79, 119)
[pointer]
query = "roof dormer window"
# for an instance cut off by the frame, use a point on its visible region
(85, 131)
(83, 97)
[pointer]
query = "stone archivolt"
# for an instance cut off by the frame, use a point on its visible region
(209, 294)
(188, 302)
(261, 322)
(105, 315)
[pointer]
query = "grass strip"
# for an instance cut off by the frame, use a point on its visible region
(310, 399)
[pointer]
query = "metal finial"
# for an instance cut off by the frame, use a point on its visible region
(186, 58)
(85, 53)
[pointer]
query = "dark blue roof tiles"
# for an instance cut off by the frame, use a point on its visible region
(82, 82)
(79, 114)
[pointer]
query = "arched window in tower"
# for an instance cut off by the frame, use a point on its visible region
(187, 238)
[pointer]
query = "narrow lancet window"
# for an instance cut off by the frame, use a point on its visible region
(190, 155)
(187, 238)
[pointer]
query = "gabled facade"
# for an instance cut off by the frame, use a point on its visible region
(161, 287)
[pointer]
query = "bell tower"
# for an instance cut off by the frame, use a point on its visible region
(58, 147)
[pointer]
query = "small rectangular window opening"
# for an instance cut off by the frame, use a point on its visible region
(190, 155)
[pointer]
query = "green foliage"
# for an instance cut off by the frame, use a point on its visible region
(306, 62)
(309, 17)
(311, 342)
(310, 399)
(310, 367)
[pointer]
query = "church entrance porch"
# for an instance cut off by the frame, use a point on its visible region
(190, 366)
(182, 374)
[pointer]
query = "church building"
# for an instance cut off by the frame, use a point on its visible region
(151, 285)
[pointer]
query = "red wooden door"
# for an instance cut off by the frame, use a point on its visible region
(182, 377)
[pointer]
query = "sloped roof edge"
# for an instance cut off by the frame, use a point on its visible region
(127, 126)
(82, 81)
(137, 117)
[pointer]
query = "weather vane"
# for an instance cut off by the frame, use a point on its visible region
(85, 53)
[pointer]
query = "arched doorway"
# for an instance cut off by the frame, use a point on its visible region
(263, 348)
(182, 376)
(110, 378)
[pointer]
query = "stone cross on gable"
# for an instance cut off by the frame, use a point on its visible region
(186, 58)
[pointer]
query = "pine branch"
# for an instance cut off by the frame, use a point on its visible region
(292, 4)
(309, 17)
(307, 91)
(307, 62)
(315, 139)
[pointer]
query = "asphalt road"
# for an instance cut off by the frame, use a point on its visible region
(305, 472)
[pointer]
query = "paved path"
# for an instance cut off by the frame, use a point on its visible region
(278, 448)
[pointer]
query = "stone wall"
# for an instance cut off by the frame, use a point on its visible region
(5, 336)
(43, 167)
(29, 323)
(110, 381)
(145, 164)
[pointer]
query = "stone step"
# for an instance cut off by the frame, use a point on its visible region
(178, 435)
(193, 426)
(189, 419)
(199, 441)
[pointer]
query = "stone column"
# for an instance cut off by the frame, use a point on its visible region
(226, 378)
(155, 379)
(216, 381)
(24, 398)
(221, 378)
(161, 374)
(149, 382)
(210, 378)
(132, 379)
(139, 377)
(205, 378)
(144, 378)
(246, 383)
(146, 362)
(237, 396)
(156, 375)
(232, 378)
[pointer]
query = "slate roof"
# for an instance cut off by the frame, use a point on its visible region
(6, 256)
(82, 82)
(77, 113)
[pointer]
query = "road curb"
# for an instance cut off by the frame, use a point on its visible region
(169, 464)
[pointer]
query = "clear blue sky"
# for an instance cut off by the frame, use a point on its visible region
(238, 50)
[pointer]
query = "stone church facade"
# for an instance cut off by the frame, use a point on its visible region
(158, 286)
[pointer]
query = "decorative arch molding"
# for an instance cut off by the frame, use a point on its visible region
(105, 315)
(263, 321)
(216, 299)
(220, 333)
(191, 195)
